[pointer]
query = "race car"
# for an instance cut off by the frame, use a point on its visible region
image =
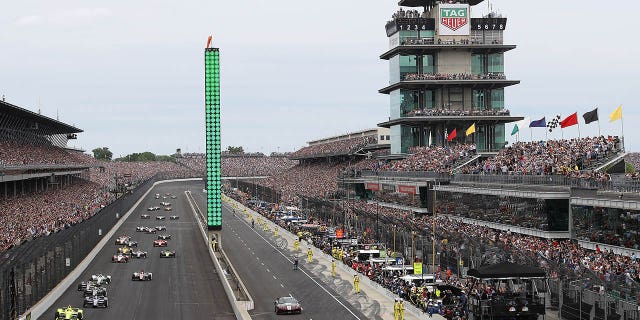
(69, 313)
(157, 196)
(97, 301)
(101, 279)
(160, 243)
(287, 305)
(123, 239)
(165, 204)
(167, 254)
(167, 209)
(173, 197)
(164, 236)
(153, 208)
(145, 229)
(139, 254)
(161, 228)
(95, 291)
(124, 251)
(130, 243)
(141, 276)
(120, 258)
(160, 217)
(145, 216)
(174, 217)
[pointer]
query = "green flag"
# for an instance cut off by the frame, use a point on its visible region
(515, 129)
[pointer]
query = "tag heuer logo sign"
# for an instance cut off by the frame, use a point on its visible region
(454, 18)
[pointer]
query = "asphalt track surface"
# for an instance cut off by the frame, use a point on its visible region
(268, 274)
(186, 287)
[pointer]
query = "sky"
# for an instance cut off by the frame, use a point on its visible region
(130, 73)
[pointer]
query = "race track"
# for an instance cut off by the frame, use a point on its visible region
(186, 287)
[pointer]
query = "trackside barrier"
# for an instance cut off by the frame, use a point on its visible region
(319, 254)
(37, 310)
(239, 307)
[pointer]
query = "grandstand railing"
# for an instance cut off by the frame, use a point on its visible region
(618, 183)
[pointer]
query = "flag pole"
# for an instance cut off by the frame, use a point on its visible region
(622, 123)
(598, 115)
(578, 129)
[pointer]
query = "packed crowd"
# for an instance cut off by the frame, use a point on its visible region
(317, 179)
(562, 259)
(15, 154)
(439, 112)
(401, 13)
(633, 159)
(27, 216)
(562, 157)
(255, 166)
(345, 147)
(39, 214)
(453, 76)
(435, 159)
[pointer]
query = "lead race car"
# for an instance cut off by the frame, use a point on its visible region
(96, 301)
(69, 313)
(142, 276)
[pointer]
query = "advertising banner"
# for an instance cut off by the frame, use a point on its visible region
(454, 20)
(372, 186)
(407, 189)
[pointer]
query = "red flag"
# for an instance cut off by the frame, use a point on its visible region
(569, 121)
(452, 135)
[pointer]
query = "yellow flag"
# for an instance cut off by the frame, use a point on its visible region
(471, 129)
(616, 114)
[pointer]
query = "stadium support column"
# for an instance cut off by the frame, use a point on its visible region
(212, 113)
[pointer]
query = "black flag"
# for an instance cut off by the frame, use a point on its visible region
(590, 116)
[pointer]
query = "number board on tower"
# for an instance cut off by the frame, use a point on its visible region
(488, 23)
(410, 24)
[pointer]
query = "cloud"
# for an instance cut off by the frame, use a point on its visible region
(29, 20)
(76, 16)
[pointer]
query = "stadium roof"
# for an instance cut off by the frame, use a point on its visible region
(52, 126)
(427, 3)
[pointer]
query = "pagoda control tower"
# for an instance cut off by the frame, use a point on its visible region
(446, 71)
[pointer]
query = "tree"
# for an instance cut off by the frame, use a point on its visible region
(103, 154)
(233, 149)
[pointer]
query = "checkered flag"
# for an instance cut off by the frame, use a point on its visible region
(554, 123)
